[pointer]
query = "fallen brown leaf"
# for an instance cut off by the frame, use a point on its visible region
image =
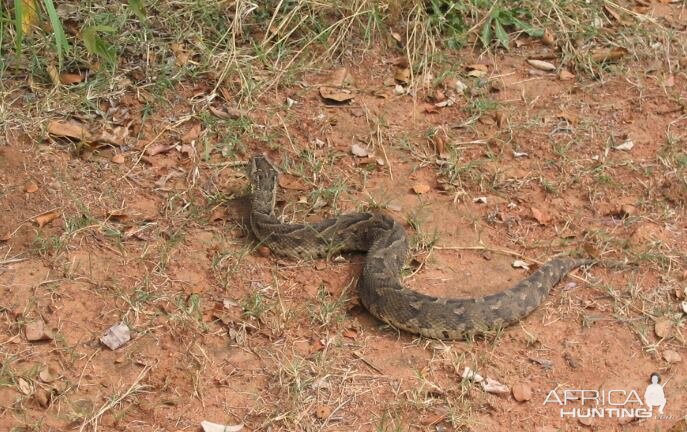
(421, 188)
(340, 77)
(69, 129)
(608, 55)
(227, 113)
(115, 137)
(118, 158)
(159, 148)
(402, 75)
(565, 75)
(192, 134)
(45, 218)
(116, 216)
(542, 217)
(291, 183)
(71, 78)
(336, 94)
(548, 38)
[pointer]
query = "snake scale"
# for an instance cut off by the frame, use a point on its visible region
(379, 286)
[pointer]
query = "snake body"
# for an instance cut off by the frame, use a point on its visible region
(379, 286)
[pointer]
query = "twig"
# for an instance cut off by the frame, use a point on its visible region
(115, 401)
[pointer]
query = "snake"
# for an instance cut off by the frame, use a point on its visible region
(380, 288)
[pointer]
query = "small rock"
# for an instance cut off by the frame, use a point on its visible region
(360, 151)
(627, 210)
(671, 356)
(471, 375)
(520, 264)
(684, 306)
(571, 360)
(118, 158)
(522, 392)
(490, 385)
(264, 251)
(216, 427)
(116, 336)
(49, 374)
(31, 187)
(36, 331)
(663, 328)
(586, 421)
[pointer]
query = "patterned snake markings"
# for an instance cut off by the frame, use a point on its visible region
(379, 286)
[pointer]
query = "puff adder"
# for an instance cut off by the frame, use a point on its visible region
(379, 286)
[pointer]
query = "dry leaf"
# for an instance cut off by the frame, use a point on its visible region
(421, 188)
(608, 55)
(30, 187)
(158, 148)
(340, 77)
(181, 55)
(663, 328)
(71, 78)
(430, 109)
(227, 113)
(671, 356)
(565, 75)
(477, 70)
(45, 218)
(402, 75)
(440, 146)
(548, 38)
(626, 146)
(540, 216)
(613, 13)
(192, 134)
(292, 183)
(396, 36)
(336, 94)
(542, 65)
(116, 137)
(118, 158)
(500, 118)
(69, 129)
(350, 333)
(116, 216)
(29, 16)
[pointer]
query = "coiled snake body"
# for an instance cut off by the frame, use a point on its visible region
(379, 287)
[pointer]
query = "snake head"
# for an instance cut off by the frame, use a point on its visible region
(263, 175)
